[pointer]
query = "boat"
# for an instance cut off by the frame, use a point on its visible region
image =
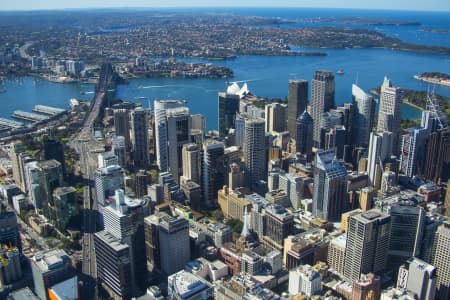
(2, 91)
(340, 72)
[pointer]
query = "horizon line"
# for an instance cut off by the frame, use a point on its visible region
(215, 7)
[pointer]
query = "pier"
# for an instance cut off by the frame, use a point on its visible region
(48, 110)
(29, 116)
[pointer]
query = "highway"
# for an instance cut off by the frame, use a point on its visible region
(83, 143)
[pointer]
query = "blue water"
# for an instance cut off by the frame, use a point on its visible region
(268, 76)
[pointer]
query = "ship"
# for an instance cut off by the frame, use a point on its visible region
(340, 72)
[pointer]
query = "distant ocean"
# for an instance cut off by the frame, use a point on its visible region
(268, 76)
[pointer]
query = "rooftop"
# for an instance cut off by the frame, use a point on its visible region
(111, 240)
(50, 260)
(187, 284)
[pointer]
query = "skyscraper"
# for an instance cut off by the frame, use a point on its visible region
(380, 148)
(330, 187)
(304, 138)
(367, 244)
(214, 172)
(16, 149)
(419, 277)
(191, 162)
(122, 125)
(54, 149)
(162, 151)
(120, 247)
(119, 149)
(278, 224)
(228, 107)
(49, 268)
(65, 207)
(139, 137)
(275, 115)
(167, 242)
(254, 150)
(412, 149)
(107, 181)
(178, 134)
(437, 158)
(322, 99)
(390, 112)
(441, 260)
(407, 224)
(297, 102)
(363, 116)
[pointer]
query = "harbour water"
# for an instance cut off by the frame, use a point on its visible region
(266, 76)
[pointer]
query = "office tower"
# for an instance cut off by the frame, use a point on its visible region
(65, 207)
(139, 137)
(251, 263)
(380, 148)
(122, 239)
(178, 134)
(367, 244)
(184, 285)
(412, 151)
(113, 264)
(192, 192)
(9, 230)
(275, 117)
(254, 150)
(213, 176)
(336, 253)
(304, 137)
(54, 149)
(330, 187)
(278, 224)
(293, 185)
(228, 107)
(16, 149)
(335, 139)
(297, 102)
(42, 178)
(240, 129)
(171, 189)
(167, 241)
(363, 116)
(366, 287)
(390, 111)
(107, 181)
(418, 277)
(304, 279)
(49, 268)
(122, 125)
(441, 260)
(119, 149)
(162, 151)
(142, 180)
(407, 223)
(198, 122)
(10, 267)
(437, 158)
(236, 177)
(322, 99)
(107, 159)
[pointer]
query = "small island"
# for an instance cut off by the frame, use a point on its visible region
(434, 77)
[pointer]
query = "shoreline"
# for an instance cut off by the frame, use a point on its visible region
(433, 80)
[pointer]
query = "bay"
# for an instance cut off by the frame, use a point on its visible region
(267, 76)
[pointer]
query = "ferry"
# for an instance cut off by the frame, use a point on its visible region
(340, 72)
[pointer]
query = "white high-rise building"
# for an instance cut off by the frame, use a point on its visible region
(107, 181)
(304, 279)
(363, 115)
(191, 157)
(162, 152)
(390, 112)
(380, 148)
(418, 277)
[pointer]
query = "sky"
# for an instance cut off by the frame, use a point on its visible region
(433, 5)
